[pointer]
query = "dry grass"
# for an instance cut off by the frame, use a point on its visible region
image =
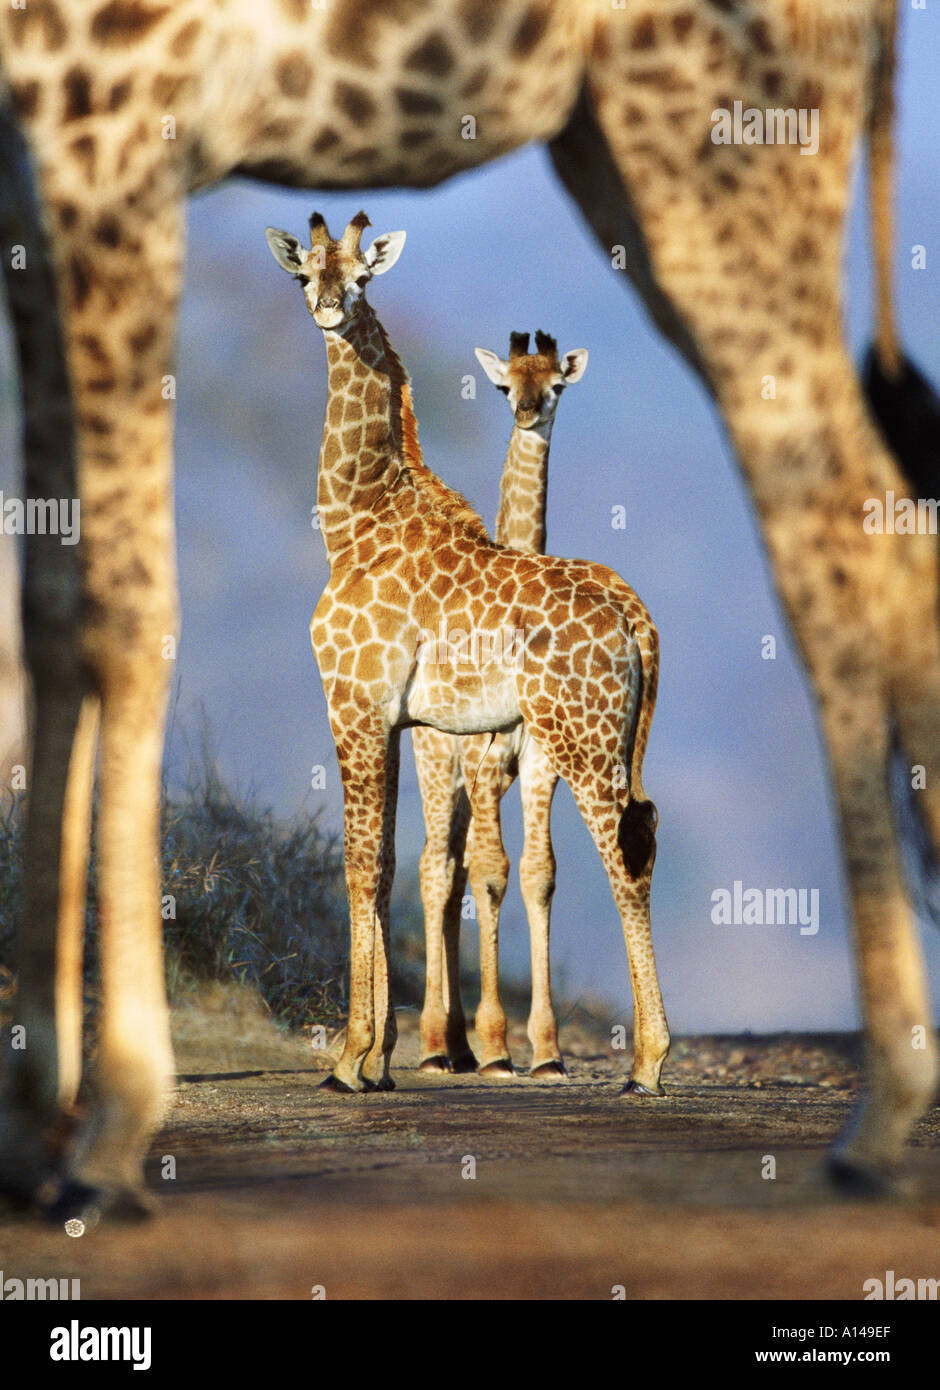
(247, 898)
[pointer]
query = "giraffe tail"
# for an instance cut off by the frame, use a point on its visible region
(647, 640)
(636, 834)
(919, 849)
(900, 398)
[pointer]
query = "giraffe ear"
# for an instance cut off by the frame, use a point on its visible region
(384, 252)
(573, 365)
(494, 366)
(285, 249)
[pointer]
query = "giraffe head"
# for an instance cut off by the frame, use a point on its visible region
(533, 381)
(334, 274)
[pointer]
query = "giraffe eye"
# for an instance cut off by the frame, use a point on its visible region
(504, 389)
(302, 279)
(362, 281)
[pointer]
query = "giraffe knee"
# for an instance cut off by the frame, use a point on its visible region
(489, 878)
(537, 879)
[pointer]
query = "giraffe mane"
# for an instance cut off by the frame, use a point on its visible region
(446, 501)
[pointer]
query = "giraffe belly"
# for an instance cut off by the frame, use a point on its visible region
(477, 702)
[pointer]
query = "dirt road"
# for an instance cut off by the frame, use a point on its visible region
(463, 1188)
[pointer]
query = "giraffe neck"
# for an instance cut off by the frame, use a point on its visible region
(520, 521)
(371, 469)
(370, 429)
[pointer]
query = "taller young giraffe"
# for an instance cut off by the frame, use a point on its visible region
(426, 621)
(111, 110)
(470, 776)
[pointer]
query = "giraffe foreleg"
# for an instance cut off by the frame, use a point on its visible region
(489, 875)
(442, 874)
(362, 747)
(376, 1069)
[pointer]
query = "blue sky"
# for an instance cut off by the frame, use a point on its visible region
(735, 760)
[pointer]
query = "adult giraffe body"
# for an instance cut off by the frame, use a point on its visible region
(112, 110)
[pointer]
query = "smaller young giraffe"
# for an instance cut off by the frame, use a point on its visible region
(484, 767)
(409, 560)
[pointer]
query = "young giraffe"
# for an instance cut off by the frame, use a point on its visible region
(411, 629)
(112, 110)
(483, 768)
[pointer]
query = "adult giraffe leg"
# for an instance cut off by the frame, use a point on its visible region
(76, 831)
(129, 626)
(901, 1046)
(537, 783)
(755, 306)
(36, 1072)
(915, 679)
(42, 1061)
(489, 875)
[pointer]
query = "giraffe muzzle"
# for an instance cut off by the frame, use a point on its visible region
(329, 312)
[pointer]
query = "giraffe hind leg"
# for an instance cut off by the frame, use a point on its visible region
(537, 781)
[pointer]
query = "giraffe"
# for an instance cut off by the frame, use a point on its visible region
(486, 767)
(426, 621)
(111, 111)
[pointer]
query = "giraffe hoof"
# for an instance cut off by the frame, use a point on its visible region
(87, 1204)
(553, 1070)
(501, 1067)
(636, 1088)
(385, 1083)
(438, 1063)
(465, 1062)
(856, 1180)
(333, 1083)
